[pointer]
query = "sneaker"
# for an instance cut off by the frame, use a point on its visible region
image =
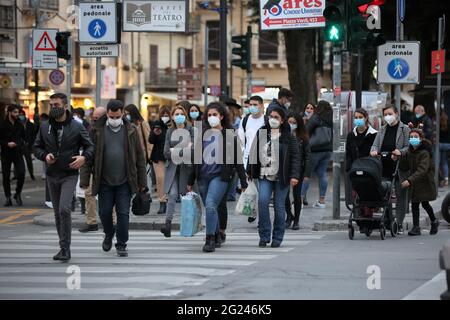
(262, 244)
(415, 231)
(319, 205)
(122, 251)
(434, 227)
(295, 226)
(305, 202)
(446, 183)
(49, 204)
(275, 244)
(89, 228)
(251, 219)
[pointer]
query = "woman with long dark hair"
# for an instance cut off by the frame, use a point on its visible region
(195, 114)
(216, 169)
(275, 164)
(298, 129)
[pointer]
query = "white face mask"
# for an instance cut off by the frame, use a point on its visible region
(274, 123)
(390, 119)
(165, 119)
(77, 119)
(115, 123)
(213, 121)
(287, 105)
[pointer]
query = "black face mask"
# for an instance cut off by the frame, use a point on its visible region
(56, 112)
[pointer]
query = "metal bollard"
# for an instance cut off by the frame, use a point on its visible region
(444, 262)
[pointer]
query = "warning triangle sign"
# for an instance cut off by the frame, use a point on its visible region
(45, 43)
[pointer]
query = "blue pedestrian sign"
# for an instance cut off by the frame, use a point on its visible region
(98, 23)
(398, 68)
(97, 28)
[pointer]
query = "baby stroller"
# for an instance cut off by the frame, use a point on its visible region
(372, 203)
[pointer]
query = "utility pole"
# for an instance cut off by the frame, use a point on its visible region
(37, 4)
(399, 37)
(69, 73)
(98, 82)
(206, 59)
(223, 48)
(438, 101)
(337, 79)
(250, 68)
(358, 78)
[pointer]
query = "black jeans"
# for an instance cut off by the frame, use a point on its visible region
(297, 204)
(416, 212)
(27, 152)
(19, 167)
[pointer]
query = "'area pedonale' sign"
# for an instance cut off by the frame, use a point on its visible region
(291, 14)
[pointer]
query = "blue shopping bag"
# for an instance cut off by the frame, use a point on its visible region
(191, 214)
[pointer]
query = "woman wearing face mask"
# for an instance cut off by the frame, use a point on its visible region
(309, 111)
(393, 138)
(195, 114)
(177, 174)
(216, 169)
(157, 139)
(418, 160)
(298, 129)
(275, 167)
(422, 121)
(360, 140)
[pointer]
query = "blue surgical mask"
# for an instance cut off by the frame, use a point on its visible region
(246, 111)
(128, 117)
(22, 118)
(194, 114)
(180, 119)
(359, 122)
(293, 126)
(414, 141)
(254, 109)
(307, 114)
(418, 115)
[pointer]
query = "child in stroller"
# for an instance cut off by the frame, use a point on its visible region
(372, 204)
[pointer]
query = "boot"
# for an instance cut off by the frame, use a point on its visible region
(166, 229)
(297, 209)
(8, 202)
(57, 256)
(434, 227)
(65, 255)
(162, 208)
(18, 199)
(288, 220)
(223, 236)
(209, 244)
(415, 231)
(217, 240)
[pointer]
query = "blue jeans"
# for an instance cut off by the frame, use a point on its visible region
(319, 165)
(212, 190)
(443, 149)
(280, 191)
(120, 197)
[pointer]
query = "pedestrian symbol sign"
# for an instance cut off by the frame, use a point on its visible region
(98, 23)
(45, 43)
(97, 28)
(399, 62)
(398, 68)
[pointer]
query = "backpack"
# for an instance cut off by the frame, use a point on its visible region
(244, 124)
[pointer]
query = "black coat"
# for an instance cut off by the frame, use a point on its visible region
(289, 163)
(12, 132)
(305, 158)
(30, 133)
(158, 142)
(316, 121)
(353, 152)
(425, 124)
(75, 138)
(228, 168)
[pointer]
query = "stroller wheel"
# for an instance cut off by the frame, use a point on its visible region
(368, 232)
(351, 232)
(383, 232)
(394, 228)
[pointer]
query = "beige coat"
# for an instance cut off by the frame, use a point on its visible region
(144, 132)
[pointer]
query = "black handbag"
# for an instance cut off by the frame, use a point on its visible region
(321, 137)
(141, 203)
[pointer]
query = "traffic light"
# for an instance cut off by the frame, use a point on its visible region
(62, 45)
(244, 52)
(334, 14)
(364, 28)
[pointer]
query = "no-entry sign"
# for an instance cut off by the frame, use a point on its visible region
(289, 14)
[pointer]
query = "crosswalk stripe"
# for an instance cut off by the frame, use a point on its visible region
(114, 260)
(161, 279)
(199, 242)
(127, 270)
(103, 293)
(144, 255)
(158, 233)
(253, 249)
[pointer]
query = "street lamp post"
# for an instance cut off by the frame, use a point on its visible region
(223, 48)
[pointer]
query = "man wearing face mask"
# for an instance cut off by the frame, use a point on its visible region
(12, 141)
(118, 172)
(58, 143)
(393, 138)
(284, 101)
(30, 135)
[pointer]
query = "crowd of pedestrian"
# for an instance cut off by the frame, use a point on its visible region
(116, 153)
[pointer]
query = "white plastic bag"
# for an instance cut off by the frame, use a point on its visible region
(78, 191)
(247, 204)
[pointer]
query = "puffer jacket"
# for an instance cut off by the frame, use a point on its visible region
(74, 138)
(421, 165)
(134, 158)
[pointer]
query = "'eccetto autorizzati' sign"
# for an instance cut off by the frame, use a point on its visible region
(155, 16)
